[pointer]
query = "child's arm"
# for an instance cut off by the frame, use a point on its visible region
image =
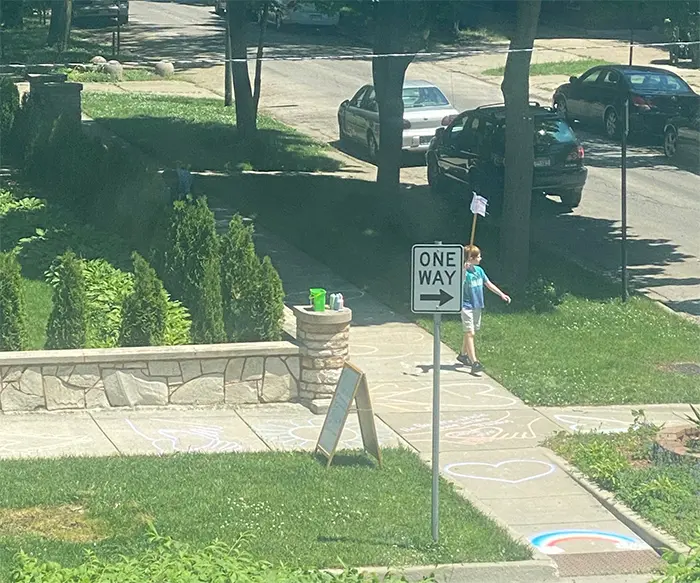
(498, 292)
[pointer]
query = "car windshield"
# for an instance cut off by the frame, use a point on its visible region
(657, 81)
(552, 131)
(423, 97)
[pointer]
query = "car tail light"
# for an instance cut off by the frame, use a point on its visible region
(576, 154)
(447, 120)
(641, 103)
(406, 124)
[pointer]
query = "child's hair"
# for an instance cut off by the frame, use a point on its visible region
(471, 251)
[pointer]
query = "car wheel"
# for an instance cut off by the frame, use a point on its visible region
(612, 123)
(436, 180)
(571, 198)
(671, 143)
(561, 106)
(372, 147)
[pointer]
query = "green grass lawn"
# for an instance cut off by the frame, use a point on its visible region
(296, 511)
(28, 45)
(555, 67)
(668, 495)
(202, 133)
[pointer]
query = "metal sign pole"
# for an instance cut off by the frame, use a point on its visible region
(625, 132)
(436, 425)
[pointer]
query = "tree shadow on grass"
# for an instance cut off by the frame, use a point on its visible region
(217, 146)
(349, 459)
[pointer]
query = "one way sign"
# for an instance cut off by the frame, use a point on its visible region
(436, 284)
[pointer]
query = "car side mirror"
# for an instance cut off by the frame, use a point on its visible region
(345, 103)
(439, 133)
(573, 79)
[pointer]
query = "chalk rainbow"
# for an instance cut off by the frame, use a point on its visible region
(548, 542)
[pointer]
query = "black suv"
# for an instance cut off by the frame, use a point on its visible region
(471, 151)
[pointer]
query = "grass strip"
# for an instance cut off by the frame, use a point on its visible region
(295, 510)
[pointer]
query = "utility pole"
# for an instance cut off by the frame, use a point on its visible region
(623, 250)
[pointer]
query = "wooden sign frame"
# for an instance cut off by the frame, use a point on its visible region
(352, 387)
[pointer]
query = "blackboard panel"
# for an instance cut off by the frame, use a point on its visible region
(339, 409)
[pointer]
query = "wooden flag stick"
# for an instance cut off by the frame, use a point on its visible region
(471, 239)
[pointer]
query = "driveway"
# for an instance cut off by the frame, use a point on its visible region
(311, 72)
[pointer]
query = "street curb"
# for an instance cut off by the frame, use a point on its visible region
(654, 537)
(513, 572)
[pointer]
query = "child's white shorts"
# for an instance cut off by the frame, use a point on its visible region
(471, 319)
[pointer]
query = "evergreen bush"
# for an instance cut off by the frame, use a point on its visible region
(145, 309)
(239, 275)
(13, 317)
(9, 106)
(191, 268)
(268, 303)
(67, 322)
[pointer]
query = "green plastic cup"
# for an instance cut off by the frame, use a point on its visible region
(317, 295)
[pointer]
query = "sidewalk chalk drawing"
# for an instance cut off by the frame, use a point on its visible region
(599, 424)
(455, 397)
(476, 429)
(549, 542)
(528, 470)
(186, 437)
(17, 443)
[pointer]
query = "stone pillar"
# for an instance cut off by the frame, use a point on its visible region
(324, 338)
(56, 96)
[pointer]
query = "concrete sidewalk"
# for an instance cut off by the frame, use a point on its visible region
(489, 438)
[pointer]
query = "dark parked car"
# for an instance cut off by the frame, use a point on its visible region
(682, 137)
(471, 151)
(598, 97)
(107, 12)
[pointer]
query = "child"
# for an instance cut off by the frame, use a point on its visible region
(472, 303)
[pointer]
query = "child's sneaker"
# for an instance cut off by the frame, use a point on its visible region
(464, 359)
(477, 367)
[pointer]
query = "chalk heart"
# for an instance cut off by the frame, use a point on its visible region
(506, 472)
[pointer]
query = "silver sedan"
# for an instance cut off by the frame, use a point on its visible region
(425, 110)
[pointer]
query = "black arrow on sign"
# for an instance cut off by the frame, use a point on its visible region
(443, 297)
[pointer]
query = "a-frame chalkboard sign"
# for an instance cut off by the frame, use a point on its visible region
(352, 386)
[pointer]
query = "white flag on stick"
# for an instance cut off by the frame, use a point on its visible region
(478, 205)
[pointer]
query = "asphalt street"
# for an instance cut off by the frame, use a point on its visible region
(311, 72)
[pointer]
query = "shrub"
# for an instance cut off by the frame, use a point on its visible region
(191, 268)
(268, 303)
(252, 290)
(67, 323)
(682, 568)
(145, 309)
(106, 288)
(239, 276)
(542, 295)
(13, 317)
(167, 560)
(9, 106)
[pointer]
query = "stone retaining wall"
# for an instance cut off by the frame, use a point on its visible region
(219, 374)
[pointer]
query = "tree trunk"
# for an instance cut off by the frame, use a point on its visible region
(59, 27)
(519, 154)
(245, 111)
(257, 84)
(228, 87)
(388, 74)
